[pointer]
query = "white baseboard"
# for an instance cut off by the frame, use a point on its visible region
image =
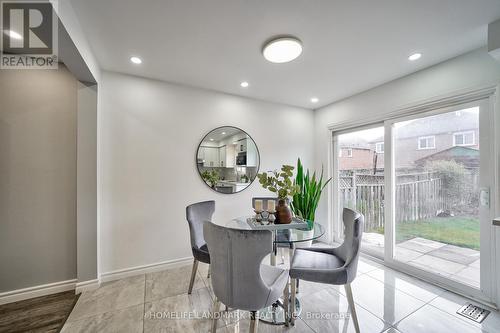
(156, 267)
(87, 285)
(36, 291)
(57, 287)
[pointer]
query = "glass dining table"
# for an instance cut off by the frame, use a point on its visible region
(290, 238)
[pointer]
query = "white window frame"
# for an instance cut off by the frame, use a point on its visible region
(433, 137)
(463, 134)
(488, 95)
(377, 147)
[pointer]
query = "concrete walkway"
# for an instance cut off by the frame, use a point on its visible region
(457, 263)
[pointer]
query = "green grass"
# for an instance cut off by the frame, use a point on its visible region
(460, 231)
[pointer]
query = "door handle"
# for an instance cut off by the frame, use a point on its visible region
(496, 222)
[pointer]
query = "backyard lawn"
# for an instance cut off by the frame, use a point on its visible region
(460, 231)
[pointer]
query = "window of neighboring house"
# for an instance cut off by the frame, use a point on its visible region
(347, 152)
(427, 142)
(379, 147)
(463, 138)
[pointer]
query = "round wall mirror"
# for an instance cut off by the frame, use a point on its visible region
(228, 160)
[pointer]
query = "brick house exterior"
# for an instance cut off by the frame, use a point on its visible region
(418, 139)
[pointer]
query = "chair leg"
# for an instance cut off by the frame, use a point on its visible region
(350, 300)
(286, 302)
(208, 274)
(215, 314)
(292, 301)
(298, 280)
(282, 254)
(193, 276)
(254, 322)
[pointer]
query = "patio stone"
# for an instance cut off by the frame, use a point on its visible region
(469, 275)
(437, 265)
(476, 264)
(405, 255)
(456, 254)
(421, 245)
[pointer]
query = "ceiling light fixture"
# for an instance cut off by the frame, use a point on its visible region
(244, 84)
(314, 100)
(415, 56)
(211, 139)
(223, 133)
(13, 34)
(282, 49)
(136, 60)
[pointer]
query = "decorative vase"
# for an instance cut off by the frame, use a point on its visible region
(283, 212)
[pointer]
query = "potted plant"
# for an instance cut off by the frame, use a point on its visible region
(280, 182)
(211, 178)
(306, 199)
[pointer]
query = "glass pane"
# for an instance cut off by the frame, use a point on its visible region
(361, 182)
(437, 194)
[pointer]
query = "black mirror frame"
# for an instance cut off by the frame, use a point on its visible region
(198, 149)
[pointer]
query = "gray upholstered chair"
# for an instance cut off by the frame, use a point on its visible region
(197, 214)
(239, 280)
(337, 266)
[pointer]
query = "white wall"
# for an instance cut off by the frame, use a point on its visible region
(470, 70)
(149, 132)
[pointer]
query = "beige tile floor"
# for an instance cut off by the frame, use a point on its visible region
(387, 301)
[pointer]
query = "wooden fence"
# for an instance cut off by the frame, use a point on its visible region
(418, 196)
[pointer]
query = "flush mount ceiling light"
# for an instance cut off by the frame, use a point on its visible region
(244, 84)
(136, 60)
(282, 49)
(314, 100)
(13, 34)
(415, 56)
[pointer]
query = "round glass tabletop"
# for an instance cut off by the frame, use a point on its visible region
(284, 235)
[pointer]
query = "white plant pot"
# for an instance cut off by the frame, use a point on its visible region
(305, 235)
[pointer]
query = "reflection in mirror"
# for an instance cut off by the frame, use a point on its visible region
(228, 159)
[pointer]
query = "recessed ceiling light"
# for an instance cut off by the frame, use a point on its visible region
(223, 133)
(244, 84)
(211, 139)
(283, 49)
(13, 34)
(136, 60)
(314, 99)
(415, 56)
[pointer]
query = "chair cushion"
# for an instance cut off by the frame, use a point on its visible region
(316, 266)
(275, 278)
(201, 254)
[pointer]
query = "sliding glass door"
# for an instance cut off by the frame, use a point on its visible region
(423, 184)
(360, 181)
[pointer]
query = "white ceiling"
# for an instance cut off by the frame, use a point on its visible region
(349, 46)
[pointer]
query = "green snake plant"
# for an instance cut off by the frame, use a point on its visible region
(305, 201)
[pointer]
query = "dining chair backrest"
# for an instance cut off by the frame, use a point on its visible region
(198, 214)
(264, 201)
(353, 232)
(236, 256)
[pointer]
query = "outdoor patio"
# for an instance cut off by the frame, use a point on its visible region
(457, 263)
